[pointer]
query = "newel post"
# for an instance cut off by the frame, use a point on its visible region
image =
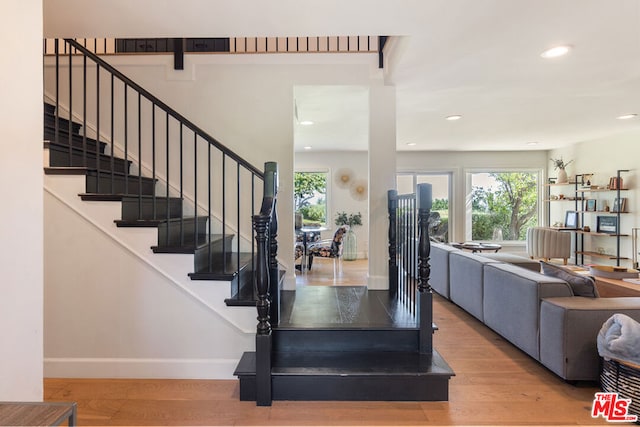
(271, 190)
(392, 206)
(425, 294)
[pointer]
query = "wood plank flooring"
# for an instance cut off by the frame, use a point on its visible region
(495, 384)
(351, 273)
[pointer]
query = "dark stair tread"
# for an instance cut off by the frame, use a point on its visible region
(190, 248)
(149, 222)
(81, 170)
(63, 123)
(357, 363)
(98, 197)
(246, 296)
(61, 154)
(63, 146)
(228, 270)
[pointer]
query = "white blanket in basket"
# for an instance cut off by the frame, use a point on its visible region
(619, 338)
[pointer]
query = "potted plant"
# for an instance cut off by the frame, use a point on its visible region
(560, 165)
(350, 248)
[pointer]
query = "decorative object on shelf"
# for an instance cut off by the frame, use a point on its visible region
(560, 165)
(619, 205)
(359, 189)
(350, 242)
(591, 205)
(587, 177)
(615, 183)
(607, 224)
(586, 229)
(344, 177)
(571, 219)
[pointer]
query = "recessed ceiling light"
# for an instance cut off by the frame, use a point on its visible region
(308, 147)
(555, 52)
(532, 143)
(306, 123)
(411, 144)
(454, 117)
(627, 116)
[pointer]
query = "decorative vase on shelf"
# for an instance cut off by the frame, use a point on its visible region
(562, 176)
(350, 248)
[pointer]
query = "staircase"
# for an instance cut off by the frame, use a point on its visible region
(170, 180)
(108, 178)
(369, 351)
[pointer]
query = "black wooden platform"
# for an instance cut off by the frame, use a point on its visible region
(347, 343)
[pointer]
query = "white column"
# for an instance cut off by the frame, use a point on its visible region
(382, 177)
(21, 217)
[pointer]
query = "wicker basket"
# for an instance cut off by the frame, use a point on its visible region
(624, 379)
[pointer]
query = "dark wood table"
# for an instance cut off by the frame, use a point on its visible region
(37, 413)
(478, 247)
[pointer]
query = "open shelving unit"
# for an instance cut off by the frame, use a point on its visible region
(580, 198)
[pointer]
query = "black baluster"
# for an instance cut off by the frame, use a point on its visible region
(425, 294)
(392, 207)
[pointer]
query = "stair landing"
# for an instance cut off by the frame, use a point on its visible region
(347, 343)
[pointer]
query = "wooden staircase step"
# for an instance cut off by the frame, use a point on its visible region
(75, 140)
(63, 155)
(340, 338)
(213, 242)
(149, 207)
(244, 294)
(228, 269)
(50, 121)
(366, 376)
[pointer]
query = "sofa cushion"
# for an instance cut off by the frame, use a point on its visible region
(466, 285)
(518, 260)
(512, 298)
(439, 279)
(582, 286)
(568, 332)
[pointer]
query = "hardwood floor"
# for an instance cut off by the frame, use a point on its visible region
(495, 384)
(352, 273)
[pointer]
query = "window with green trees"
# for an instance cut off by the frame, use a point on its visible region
(440, 182)
(310, 197)
(503, 205)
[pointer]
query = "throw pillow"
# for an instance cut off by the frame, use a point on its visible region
(581, 285)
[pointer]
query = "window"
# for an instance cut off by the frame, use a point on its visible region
(440, 188)
(503, 205)
(310, 197)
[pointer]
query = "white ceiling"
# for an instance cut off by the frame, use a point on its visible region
(476, 58)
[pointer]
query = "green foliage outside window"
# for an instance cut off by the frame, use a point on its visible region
(512, 207)
(309, 192)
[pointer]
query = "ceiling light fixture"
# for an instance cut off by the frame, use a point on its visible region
(411, 144)
(532, 143)
(454, 117)
(627, 116)
(306, 123)
(555, 52)
(308, 147)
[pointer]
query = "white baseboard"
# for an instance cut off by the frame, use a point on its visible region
(139, 368)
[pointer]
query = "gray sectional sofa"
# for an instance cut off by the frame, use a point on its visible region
(539, 314)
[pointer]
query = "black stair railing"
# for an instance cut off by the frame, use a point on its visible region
(266, 282)
(134, 147)
(409, 252)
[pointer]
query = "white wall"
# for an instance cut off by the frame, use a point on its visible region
(115, 309)
(603, 157)
(21, 193)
